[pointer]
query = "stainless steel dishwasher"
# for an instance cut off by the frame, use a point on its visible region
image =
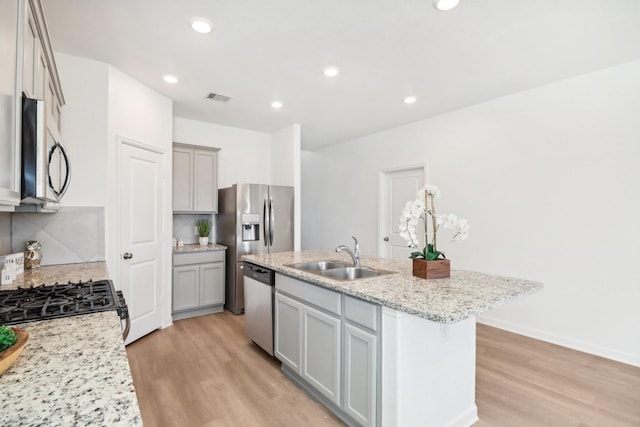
(259, 288)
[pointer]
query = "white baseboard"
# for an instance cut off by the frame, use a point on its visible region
(618, 356)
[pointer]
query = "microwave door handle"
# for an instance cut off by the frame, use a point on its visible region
(67, 175)
(272, 220)
(265, 222)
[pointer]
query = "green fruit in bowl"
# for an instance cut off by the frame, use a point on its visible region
(7, 337)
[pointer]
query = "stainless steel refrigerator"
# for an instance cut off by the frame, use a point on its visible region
(252, 219)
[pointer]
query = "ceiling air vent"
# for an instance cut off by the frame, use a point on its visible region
(217, 97)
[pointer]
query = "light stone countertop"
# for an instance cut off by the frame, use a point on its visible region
(61, 273)
(73, 371)
(463, 295)
(199, 248)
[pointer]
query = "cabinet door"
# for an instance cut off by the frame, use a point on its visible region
(29, 52)
(9, 144)
(41, 72)
(288, 331)
(360, 375)
(205, 185)
(51, 101)
(182, 179)
(212, 284)
(321, 352)
(186, 293)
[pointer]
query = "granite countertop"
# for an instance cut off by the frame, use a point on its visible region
(199, 248)
(73, 370)
(61, 273)
(463, 295)
(69, 375)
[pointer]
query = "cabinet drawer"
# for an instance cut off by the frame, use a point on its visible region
(361, 312)
(198, 257)
(312, 294)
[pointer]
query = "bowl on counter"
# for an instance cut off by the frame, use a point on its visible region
(8, 356)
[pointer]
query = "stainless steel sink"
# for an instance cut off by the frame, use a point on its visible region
(317, 266)
(353, 273)
(338, 270)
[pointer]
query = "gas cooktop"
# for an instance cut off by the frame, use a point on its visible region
(60, 300)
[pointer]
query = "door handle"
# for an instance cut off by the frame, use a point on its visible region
(264, 222)
(386, 239)
(127, 255)
(272, 220)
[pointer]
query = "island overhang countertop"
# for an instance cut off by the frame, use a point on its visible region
(465, 294)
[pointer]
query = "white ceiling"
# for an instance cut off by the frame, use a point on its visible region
(264, 50)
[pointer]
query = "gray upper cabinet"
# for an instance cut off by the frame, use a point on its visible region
(9, 107)
(28, 66)
(195, 179)
(40, 78)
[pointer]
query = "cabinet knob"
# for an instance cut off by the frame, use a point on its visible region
(127, 255)
(386, 239)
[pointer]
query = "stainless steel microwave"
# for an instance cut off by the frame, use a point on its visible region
(46, 170)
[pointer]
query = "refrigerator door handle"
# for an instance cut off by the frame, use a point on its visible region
(265, 222)
(272, 220)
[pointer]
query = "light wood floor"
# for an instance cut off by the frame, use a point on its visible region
(204, 372)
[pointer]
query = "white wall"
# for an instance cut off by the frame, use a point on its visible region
(548, 179)
(245, 155)
(285, 169)
(84, 128)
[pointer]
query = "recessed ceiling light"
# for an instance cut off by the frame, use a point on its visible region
(201, 25)
(410, 100)
(276, 104)
(444, 5)
(331, 71)
(170, 79)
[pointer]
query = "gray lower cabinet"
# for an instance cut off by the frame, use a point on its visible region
(288, 331)
(360, 374)
(198, 284)
(329, 344)
(321, 346)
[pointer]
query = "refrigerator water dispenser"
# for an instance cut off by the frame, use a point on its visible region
(250, 227)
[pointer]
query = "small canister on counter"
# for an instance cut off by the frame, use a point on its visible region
(32, 255)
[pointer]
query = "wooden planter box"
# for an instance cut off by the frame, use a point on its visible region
(437, 269)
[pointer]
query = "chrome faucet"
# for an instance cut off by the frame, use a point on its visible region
(355, 253)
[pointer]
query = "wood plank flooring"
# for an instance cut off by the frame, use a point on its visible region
(204, 372)
(524, 382)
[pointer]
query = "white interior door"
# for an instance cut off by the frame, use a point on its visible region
(140, 227)
(396, 188)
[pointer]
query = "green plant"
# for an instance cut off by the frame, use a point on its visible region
(7, 337)
(204, 227)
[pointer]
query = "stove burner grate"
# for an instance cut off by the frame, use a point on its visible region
(60, 300)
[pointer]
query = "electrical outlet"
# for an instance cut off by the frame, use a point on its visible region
(195, 229)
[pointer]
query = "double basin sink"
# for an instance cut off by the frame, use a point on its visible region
(338, 270)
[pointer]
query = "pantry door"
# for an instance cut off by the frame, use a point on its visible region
(395, 188)
(140, 236)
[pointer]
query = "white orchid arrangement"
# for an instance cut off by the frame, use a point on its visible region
(423, 208)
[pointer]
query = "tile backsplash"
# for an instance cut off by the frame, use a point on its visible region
(183, 225)
(5, 233)
(72, 235)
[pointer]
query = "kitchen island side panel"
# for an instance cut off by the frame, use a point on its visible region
(428, 371)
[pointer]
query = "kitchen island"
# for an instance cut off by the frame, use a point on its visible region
(390, 350)
(73, 370)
